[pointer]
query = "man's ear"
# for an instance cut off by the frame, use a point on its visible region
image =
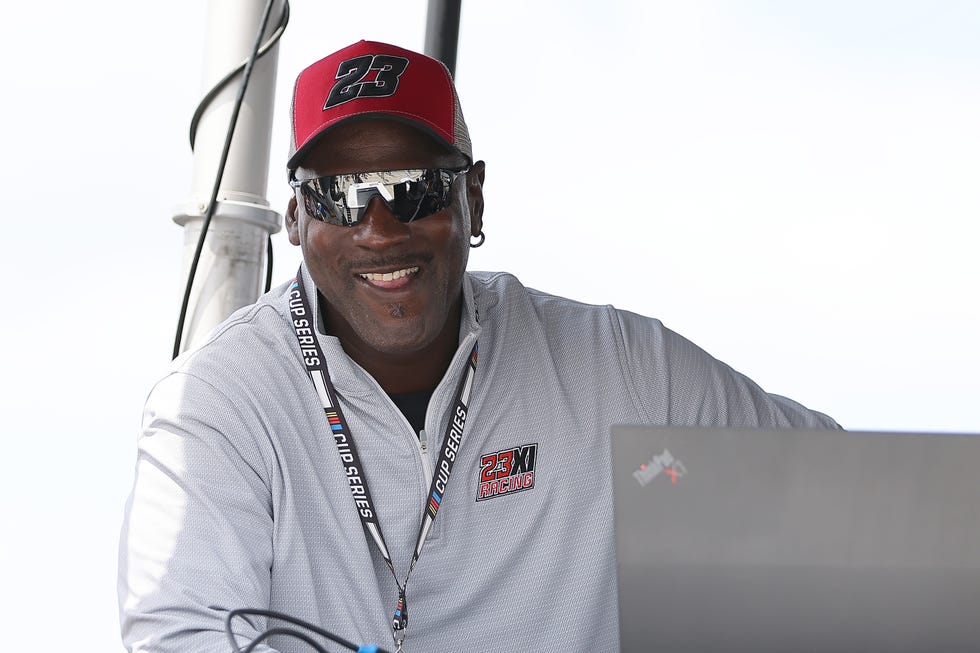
(292, 221)
(474, 194)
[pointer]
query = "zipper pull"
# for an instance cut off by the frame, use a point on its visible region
(423, 441)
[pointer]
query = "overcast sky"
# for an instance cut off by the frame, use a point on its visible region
(792, 185)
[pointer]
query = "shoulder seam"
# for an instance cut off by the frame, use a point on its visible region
(242, 320)
(616, 324)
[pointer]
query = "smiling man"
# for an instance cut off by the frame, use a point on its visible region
(388, 434)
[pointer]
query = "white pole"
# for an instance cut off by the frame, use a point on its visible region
(231, 271)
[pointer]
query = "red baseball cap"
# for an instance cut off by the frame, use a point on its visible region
(369, 79)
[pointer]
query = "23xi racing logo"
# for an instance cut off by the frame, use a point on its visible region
(507, 471)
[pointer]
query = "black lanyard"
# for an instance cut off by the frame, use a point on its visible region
(303, 321)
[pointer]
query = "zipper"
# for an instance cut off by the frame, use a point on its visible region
(423, 440)
(420, 442)
(426, 463)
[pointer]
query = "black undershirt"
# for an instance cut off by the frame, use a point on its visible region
(413, 405)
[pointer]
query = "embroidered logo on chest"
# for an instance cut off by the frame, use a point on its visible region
(507, 471)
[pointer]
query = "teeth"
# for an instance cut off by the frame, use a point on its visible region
(389, 276)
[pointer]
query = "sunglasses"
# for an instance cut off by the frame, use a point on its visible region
(409, 194)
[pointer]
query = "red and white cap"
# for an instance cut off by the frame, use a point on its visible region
(376, 79)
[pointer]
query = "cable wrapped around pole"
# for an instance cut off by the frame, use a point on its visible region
(213, 202)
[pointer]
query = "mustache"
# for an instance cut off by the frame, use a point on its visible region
(390, 261)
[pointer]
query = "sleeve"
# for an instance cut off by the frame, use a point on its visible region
(197, 535)
(677, 382)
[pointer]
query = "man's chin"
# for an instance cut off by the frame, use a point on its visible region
(399, 335)
(397, 311)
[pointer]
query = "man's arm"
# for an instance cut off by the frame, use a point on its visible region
(677, 382)
(197, 537)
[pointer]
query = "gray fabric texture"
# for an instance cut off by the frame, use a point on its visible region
(240, 500)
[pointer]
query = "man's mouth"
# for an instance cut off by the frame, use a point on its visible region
(392, 279)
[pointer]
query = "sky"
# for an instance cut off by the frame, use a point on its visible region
(792, 185)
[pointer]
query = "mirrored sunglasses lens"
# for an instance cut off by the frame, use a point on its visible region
(321, 204)
(408, 197)
(344, 199)
(422, 198)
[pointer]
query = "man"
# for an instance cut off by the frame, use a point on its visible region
(298, 460)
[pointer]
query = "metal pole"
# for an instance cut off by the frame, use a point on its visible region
(231, 271)
(442, 32)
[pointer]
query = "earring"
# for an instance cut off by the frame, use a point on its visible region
(481, 237)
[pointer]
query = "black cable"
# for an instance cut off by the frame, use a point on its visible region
(243, 613)
(212, 204)
(268, 264)
(224, 81)
(210, 96)
(292, 632)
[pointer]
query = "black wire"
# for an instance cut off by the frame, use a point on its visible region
(244, 612)
(268, 264)
(224, 81)
(212, 204)
(282, 631)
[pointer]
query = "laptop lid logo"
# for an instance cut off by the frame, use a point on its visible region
(662, 463)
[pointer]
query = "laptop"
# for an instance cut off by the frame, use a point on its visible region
(796, 540)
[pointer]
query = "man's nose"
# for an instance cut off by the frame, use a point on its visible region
(378, 227)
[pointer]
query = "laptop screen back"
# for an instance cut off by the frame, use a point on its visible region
(796, 540)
